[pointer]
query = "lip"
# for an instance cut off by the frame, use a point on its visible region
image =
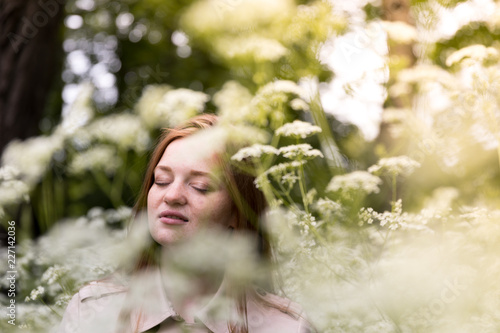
(172, 217)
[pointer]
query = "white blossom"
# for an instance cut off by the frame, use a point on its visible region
(12, 188)
(475, 52)
(101, 157)
(300, 151)
(355, 181)
(282, 86)
(255, 151)
(299, 104)
(233, 102)
(298, 129)
(277, 172)
(253, 46)
(400, 32)
(148, 106)
(33, 156)
(123, 129)
(394, 166)
(53, 274)
(178, 105)
(36, 293)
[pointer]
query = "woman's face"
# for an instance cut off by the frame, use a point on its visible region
(185, 197)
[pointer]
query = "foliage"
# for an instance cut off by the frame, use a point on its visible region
(402, 238)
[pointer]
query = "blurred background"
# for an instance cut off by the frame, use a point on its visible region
(87, 85)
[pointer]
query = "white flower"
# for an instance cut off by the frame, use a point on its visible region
(355, 181)
(53, 273)
(13, 191)
(300, 151)
(233, 102)
(282, 86)
(101, 157)
(254, 152)
(253, 47)
(32, 157)
(36, 293)
(400, 32)
(277, 172)
(123, 129)
(328, 208)
(147, 106)
(420, 74)
(298, 129)
(473, 52)
(179, 105)
(394, 166)
(299, 104)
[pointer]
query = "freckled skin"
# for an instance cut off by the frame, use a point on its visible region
(183, 184)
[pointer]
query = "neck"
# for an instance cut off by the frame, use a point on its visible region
(189, 290)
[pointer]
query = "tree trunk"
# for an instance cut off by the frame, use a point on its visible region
(29, 49)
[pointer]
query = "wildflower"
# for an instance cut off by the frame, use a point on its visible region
(53, 274)
(281, 86)
(394, 166)
(147, 106)
(426, 73)
(253, 46)
(32, 157)
(299, 104)
(473, 52)
(181, 104)
(300, 151)
(355, 181)
(277, 172)
(327, 208)
(298, 129)
(12, 189)
(100, 157)
(124, 130)
(35, 294)
(400, 32)
(233, 102)
(254, 152)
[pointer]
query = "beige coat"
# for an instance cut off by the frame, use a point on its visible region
(97, 306)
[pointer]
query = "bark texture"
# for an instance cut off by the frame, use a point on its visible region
(29, 47)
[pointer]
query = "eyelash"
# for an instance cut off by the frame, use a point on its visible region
(201, 190)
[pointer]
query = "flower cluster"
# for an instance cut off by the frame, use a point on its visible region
(300, 151)
(254, 152)
(476, 53)
(123, 130)
(99, 157)
(395, 166)
(298, 129)
(13, 189)
(355, 181)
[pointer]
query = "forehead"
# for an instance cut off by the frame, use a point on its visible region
(188, 153)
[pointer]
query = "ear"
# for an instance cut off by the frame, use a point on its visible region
(236, 221)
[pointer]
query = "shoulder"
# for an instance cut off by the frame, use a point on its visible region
(94, 304)
(268, 312)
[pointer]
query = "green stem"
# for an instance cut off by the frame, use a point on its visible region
(394, 192)
(106, 187)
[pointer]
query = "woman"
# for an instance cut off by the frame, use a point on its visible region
(184, 193)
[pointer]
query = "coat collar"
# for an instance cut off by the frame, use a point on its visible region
(152, 307)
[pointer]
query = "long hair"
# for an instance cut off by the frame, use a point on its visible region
(249, 201)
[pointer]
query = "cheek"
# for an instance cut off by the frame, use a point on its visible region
(220, 209)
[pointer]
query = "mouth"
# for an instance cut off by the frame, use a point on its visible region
(172, 217)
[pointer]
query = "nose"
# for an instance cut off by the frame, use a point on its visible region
(175, 194)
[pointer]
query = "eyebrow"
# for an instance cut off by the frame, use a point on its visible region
(192, 172)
